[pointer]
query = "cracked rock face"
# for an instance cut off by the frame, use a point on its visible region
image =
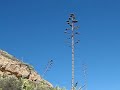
(10, 66)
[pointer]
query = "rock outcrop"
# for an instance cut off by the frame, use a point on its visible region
(12, 67)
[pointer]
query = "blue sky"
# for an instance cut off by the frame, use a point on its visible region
(34, 30)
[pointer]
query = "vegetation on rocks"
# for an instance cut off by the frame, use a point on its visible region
(10, 83)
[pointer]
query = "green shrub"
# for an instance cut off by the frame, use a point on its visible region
(9, 83)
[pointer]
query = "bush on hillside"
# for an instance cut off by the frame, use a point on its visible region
(10, 83)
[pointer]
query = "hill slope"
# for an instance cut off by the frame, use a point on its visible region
(12, 69)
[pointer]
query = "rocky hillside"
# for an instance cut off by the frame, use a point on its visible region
(12, 67)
